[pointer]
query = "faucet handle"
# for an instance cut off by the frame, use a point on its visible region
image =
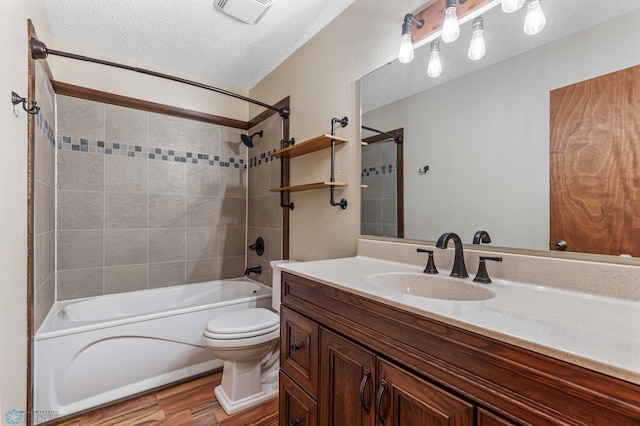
(431, 264)
(483, 276)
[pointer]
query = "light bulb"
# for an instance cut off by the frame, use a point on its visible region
(509, 6)
(477, 48)
(535, 21)
(406, 49)
(435, 65)
(450, 28)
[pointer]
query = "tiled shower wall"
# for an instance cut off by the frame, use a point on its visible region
(145, 200)
(265, 213)
(379, 198)
(44, 197)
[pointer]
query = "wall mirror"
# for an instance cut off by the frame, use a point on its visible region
(477, 138)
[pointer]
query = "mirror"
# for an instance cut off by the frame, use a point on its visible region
(483, 127)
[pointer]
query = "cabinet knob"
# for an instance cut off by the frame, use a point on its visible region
(294, 348)
(294, 422)
(561, 245)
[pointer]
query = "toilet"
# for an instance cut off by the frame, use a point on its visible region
(248, 342)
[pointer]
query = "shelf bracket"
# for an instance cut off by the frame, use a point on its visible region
(343, 122)
(284, 143)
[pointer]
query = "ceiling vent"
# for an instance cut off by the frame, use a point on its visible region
(249, 11)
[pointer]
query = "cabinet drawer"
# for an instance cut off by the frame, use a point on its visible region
(299, 349)
(296, 407)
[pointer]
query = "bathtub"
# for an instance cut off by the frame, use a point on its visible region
(96, 350)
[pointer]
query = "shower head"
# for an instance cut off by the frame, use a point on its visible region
(248, 140)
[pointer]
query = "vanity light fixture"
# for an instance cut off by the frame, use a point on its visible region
(450, 30)
(435, 65)
(451, 27)
(477, 48)
(406, 45)
(509, 6)
(535, 20)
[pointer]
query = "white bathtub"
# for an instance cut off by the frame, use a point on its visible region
(96, 350)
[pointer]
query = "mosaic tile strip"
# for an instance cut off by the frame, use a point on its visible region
(67, 143)
(385, 169)
(263, 158)
(46, 129)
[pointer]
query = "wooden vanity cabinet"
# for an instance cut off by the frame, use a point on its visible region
(357, 387)
(380, 365)
(299, 349)
(487, 418)
(297, 408)
(347, 382)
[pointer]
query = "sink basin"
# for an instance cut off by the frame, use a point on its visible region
(430, 286)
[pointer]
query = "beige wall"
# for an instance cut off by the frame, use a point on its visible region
(322, 80)
(140, 86)
(13, 201)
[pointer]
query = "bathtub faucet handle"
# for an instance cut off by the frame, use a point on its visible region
(258, 247)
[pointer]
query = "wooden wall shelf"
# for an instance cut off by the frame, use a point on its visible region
(309, 146)
(312, 145)
(308, 186)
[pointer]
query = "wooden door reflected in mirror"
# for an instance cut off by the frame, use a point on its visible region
(595, 165)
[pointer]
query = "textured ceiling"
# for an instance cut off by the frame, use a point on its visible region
(504, 38)
(191, 36)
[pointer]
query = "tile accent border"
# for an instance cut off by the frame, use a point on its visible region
(47, 130)
(382, 170)
(265, 157)
(66, 143)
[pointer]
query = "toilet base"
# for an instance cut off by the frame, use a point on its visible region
(269, 390)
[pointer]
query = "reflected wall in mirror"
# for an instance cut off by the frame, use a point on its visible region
(382, 188)
(483, 126)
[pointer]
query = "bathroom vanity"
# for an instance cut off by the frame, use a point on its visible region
(351, 357)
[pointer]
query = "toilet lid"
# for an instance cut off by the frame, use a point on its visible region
(242, 324)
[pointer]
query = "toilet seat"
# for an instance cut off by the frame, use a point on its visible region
(242, 324)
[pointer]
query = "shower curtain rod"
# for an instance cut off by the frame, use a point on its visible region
(39, 50)
(397, 139)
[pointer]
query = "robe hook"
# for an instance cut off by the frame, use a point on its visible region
(16, 99)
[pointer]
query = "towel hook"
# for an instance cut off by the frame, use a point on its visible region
(423, 170)
(16, 99)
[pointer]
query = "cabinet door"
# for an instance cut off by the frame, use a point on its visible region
(296, 407)
(403, 399)
(347, 381)
(299, 349)
(486, 418)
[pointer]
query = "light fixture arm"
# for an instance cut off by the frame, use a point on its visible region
(408, 19)
(452, 3)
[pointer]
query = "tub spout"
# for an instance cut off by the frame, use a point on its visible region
(255, 270)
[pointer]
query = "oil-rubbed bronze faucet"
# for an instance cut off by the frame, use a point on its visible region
(458, 270)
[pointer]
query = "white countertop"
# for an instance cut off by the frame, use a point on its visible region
(596, 332)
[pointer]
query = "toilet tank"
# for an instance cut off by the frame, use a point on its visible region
(276, 282)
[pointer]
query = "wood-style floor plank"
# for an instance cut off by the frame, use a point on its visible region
(190, 404)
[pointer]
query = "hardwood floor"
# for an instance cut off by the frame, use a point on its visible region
(191, 403)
